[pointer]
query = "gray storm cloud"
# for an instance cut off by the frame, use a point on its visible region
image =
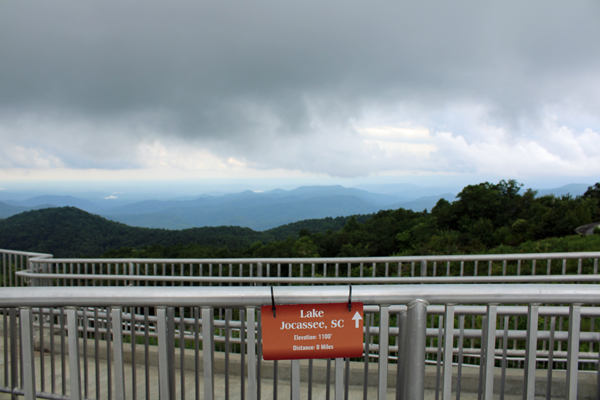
(251, 79)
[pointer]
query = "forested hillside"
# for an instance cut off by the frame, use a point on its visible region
(483, 218)
(71, 232)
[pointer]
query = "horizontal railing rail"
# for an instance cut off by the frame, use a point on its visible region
(258, 296)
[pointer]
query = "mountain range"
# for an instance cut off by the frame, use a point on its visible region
(256, 210)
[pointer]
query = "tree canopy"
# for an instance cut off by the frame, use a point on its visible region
(484, 218)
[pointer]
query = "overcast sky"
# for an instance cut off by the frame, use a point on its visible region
(124, 89)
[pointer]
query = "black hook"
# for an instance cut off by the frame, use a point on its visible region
(350, 300)
(273, 302)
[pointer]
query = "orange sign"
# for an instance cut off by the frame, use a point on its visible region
(302, 331)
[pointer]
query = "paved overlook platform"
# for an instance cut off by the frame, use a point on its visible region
(470, 378)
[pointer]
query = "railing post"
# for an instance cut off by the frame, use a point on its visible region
(32, 281)
(131, 273)
(75, 376)
(295, 381)
(530, 351)
(163, 354)
(401, 355)
(14, 350)
(416, 321)
(573, 350)
(339, 379)
(448, 350)
(423, 268)
(28, 356)
(490, 349)
(207, 351)
(171, 348)
(117, 329)
(251, 346)
(384, 335)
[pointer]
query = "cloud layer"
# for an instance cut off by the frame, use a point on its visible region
(338, 88)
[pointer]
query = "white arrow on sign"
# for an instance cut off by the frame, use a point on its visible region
(356, 318)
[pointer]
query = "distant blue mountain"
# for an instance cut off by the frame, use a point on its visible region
(408, 190)
(250, 198)
(426, 202)
(259, 210)
(8, 210)
(264, 214)
(60, 201)
(574, 189)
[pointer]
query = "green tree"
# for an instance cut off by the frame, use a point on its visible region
(304, 247)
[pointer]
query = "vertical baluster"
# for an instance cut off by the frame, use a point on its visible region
(347, 379)
(132, 328)
(5, 336)
(197, 351)
(259, 356)
(550, 358)
(228, 313)
(14, 358)
(63, 361)
(439, 354)
(96, 349)
(42, 350)
(108, 354)
(84, 336)
(171, 348)
(367, 325)
(461, 338)
(504, 355)
(147, 351)
(182, 349)
(242, 353)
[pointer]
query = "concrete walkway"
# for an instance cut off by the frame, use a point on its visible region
(53, 383)
(52, 380)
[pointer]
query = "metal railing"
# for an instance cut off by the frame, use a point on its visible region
(469, 329)
(483, 268)
(401, 312)
(13, 261)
